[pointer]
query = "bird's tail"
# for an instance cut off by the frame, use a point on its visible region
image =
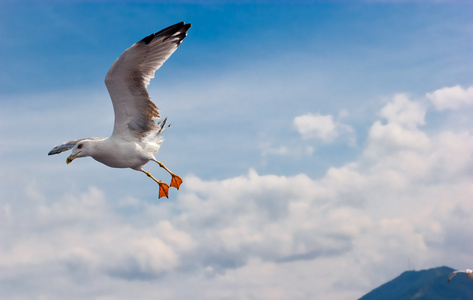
(157, 136)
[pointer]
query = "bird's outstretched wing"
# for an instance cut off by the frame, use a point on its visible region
(69, 145)
(129, 76)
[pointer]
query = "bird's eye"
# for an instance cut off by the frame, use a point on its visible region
(79, 146)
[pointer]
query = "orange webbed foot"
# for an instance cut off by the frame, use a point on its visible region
(176, 181)
(163, 190)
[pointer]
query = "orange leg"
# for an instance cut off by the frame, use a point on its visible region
(163, 187)
(176, 181)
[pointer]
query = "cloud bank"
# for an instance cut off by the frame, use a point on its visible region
(405, 200)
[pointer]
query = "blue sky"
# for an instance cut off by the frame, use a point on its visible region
(312, 138)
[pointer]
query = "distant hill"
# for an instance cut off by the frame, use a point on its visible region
(424, 285)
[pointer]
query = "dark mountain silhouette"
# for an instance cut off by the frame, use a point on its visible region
(428, 284)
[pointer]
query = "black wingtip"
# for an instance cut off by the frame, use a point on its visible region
(169, 31)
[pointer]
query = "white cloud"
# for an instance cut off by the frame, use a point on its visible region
(404, 112)
(400, 132)
(316, 126)
(323, 127)
(451, 97)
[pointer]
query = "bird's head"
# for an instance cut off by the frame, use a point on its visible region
(81, 149)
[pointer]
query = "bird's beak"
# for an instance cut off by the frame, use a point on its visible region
(71, 157)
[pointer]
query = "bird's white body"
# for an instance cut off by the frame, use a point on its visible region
(115, 154)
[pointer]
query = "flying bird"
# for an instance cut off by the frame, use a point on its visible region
(137, 136)
(468, 272)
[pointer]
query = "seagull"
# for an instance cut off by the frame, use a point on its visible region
(136, 136)
(468, 272)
